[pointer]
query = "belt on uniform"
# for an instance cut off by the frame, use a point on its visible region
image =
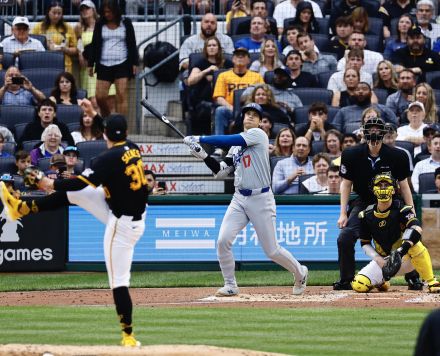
(248, 192)
(133, 217)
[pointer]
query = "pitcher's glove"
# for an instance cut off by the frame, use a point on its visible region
(392, 265)
(32, 176)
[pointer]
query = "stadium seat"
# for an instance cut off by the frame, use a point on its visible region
(90, 149)
(42, 77)
(30, 145)
(426, 182)
(2, 77)
(324, 77)
(268, 77)
(44, 164)
(317, 146)
(9, 147)
(274, 160)
(310, 95)
(48, 59)
(8, 60)
(18, 182)
(7, 165)
(409, 146)
(41, 38)
(69, 113)
(301, 179)
(381, 94)
(18, 130)
(277, 127)
(73, 126)
(433, 79)
(10, 115)
(321, 41)
(375, 26)
(194, 58)
(437, 96)
(80, 93)
(374, 43)
(393, 25)
(215, 76)
(236, 103)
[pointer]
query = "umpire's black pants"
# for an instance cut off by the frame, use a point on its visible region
(347, 241)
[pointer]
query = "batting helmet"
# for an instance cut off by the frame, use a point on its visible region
(252, 106)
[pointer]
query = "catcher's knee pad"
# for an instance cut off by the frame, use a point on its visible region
(361, 284)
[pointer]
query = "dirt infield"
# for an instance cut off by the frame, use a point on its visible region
(397, 296)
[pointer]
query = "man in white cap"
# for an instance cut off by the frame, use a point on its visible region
(413, 132)
(20, 39)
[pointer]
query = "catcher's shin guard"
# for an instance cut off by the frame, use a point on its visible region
(361, 284)
(421, 261)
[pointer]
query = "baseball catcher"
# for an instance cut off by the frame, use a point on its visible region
(391, 236)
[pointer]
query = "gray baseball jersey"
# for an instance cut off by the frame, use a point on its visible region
(252, 168)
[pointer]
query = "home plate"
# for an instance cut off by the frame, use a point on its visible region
(319, 298)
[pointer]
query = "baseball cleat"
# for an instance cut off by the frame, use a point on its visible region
(11, 204)
(342, 285)
(300, 285)
(128, 340)
(227, 291)
(434, 287)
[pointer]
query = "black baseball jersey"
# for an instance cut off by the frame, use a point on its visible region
(121, 172)
(385, 228)
(359, 167)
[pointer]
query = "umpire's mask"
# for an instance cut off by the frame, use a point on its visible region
(374, 130)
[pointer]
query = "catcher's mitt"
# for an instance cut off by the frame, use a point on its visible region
(392, 265)
(31, 176)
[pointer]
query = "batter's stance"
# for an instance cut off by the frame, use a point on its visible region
(114, 190)
(253, 199)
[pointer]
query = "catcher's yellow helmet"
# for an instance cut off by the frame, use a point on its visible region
(361, 284)
(384, 193)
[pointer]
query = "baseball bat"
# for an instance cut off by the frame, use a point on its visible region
(163, 118)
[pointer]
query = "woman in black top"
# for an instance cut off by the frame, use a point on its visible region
(64, 91)
(346, 97)
(386, 77)
(113, 56)
(305, 17)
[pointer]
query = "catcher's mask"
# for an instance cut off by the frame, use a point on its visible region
(372, 136)
(384, 194)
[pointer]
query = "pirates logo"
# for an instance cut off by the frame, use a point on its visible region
(382, 223)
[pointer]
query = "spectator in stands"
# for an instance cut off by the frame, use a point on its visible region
(239, 77)
(345, 98)
(424, 15)
(255, 40)
(269, 58)
(266, 125)
(240, 8)
(2, 145)
(18, 90)
(399, 101)
(196, 43)
(71, 154)
(346, 7)
(305, 18)
(287, 9)
(318, 182)
(390, 139)
(348, 119)
(202, 7)
(317, 125)
(283, 91)
(427, 165)
(117, 65)
(371, 58)
(153, 188)
(359, 18)
(339, 43)
(416, 56)
(423, 93)
(314, 62)
(20, 39)
(6, 134)
(258, 8)
(349, 140)
(393, 44)
(300, 79)
(284, 143)
(60, 35)
(84, 33)
(22, 161)
(355, 60)
(291, 33)
(386, 77)
(333, 143)
(285, 179)
(57, 167)
(413, 132)
(91, 125)
(64, 91)
(263, 95)
(333, 180)
(428, 133)
(51, 144)
(437, 179)
(45, 116)
(395, 9)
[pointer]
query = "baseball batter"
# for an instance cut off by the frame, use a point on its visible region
(252, 201)
(114, 190)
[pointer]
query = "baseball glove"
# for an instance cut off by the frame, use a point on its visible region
(392, 265)
(32, 176)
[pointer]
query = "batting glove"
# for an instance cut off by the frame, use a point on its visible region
(188, 140)
(197, 151)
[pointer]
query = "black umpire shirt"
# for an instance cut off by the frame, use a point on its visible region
(359, 167)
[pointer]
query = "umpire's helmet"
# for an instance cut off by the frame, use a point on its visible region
(374, 136)
(252, 106)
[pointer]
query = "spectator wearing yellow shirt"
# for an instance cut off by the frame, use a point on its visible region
(240, 8)
(239, 77)
(60, 35)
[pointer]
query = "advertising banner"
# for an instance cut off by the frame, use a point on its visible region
(33, 243)
(178, 233)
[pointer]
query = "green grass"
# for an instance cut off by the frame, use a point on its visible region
(316, 331)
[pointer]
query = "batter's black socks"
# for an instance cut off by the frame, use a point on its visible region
(124, 308)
